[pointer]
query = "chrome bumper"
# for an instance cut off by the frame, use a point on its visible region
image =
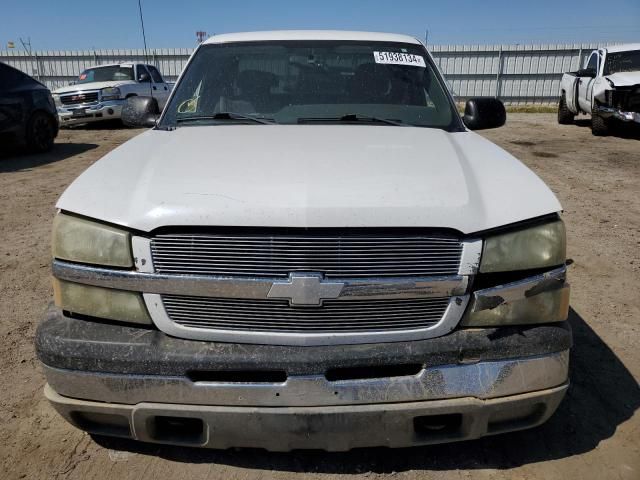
(109, 110)
(488, 379)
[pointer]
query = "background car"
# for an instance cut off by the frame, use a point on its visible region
(27, 112)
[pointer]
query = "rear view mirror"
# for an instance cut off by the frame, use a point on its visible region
(140, 112)
(484, 112)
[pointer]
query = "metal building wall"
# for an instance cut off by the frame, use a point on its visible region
(59, 68)
(517, 74)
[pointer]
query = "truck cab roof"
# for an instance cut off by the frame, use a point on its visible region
(625, 47)
(311, 35)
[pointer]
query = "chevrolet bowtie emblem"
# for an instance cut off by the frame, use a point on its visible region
(305, 289)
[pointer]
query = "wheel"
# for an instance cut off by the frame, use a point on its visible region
(565, 116)
(599, 126)
(41, 132)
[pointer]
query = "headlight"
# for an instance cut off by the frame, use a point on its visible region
(111, 93)
(100, 302)
(79, 240)
(56, 99)
(536, 247)
(544, 307)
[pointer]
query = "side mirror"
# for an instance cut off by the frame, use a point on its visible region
(144, 77)
(484, 112)
(140, 112)
(587, 72)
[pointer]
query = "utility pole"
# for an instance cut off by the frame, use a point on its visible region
(27, 48)
(26, 45)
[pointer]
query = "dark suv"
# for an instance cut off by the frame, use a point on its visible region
(27, 112)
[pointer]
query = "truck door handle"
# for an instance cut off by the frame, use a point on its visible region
(165, 87)
(154, 87)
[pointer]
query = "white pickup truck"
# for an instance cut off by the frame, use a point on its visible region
(100, 92)
(309, 249)
(608, 88)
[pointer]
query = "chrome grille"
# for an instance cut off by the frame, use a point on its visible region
(79, 98)
(278, 255)
(277, 316)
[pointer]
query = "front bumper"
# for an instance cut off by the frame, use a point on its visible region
(609, 112)
(77, 114)
(146, 385)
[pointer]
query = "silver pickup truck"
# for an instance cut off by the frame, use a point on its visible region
(100, 92)
(608, 88)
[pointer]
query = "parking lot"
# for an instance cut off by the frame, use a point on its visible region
(594, 435)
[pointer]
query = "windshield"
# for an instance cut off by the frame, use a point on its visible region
(106, 74)
(290, 82)
(622, 62)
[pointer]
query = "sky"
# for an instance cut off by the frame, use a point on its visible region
(89, 24)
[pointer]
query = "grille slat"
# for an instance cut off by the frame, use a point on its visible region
(299, 329)
(345, 255)
(297, 323)
(304, 253)
(327, 272)
(278, 316)
(296, 263)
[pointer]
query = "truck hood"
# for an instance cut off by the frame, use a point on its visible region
(90, 86)
(625, 79)
(309, 176)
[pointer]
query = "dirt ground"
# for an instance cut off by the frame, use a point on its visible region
(594, 435)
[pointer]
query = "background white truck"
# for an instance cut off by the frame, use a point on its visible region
(101, 91)
(608, 88)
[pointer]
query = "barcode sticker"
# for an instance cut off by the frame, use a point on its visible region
(398, 58)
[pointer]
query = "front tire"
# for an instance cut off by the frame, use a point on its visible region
(599, 126)
(41, 132)
(565, 116)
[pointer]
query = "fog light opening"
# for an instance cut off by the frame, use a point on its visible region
(436, 426)
(184, 430)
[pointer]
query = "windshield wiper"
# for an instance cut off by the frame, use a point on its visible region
(352, 117)
(226, 116)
